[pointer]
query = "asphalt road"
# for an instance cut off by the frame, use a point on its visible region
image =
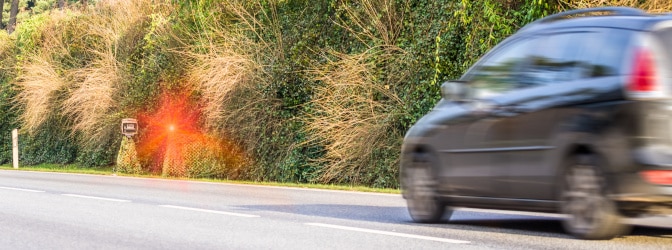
(66, 211)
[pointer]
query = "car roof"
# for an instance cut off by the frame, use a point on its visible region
(616, 17)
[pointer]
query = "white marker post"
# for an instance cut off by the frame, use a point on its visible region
(15, 148)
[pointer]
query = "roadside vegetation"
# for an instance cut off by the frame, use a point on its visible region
(63, 168)
(309, 92)
(108, 170)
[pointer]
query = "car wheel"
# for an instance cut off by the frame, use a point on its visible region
(591, 214)
(423, 205)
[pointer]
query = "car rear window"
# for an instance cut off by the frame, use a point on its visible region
(612, 47)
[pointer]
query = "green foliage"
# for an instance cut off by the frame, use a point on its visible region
(8, 115)
(437, 40)
(43, 6)
(28, 34)
(405, 49)
(538, 8)
(207, 160)
(8, 121)
(49, 145)
(99, 154)
(150, 62)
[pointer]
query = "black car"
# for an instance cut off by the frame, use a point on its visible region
(572, 114)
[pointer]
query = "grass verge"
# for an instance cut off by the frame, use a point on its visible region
(68, 168)
(76, 169)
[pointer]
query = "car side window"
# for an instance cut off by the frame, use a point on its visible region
(609, 56)
(569, 56)
(499, 72)
(557, 58)
(586, 54)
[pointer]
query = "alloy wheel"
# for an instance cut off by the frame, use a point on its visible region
(591, 214)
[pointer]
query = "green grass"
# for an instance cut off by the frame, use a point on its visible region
(76, 169)
(68, 168)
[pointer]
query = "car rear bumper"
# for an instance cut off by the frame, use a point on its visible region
(648, 198)
(637, 196)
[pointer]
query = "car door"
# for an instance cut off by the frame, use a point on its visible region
(563, 68)
(526, 123)
(471, 167)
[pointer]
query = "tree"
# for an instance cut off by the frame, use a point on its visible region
(13, 11)
(2, 8)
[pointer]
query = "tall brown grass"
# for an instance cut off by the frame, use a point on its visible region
(219, 72)
(39, 85)
(230, 72)
(249, 14)
(86, 95)
(7, 56)
(40, 78)
(374, 20)
(354, 113)
(93, 101)
(5, 43)
(355, 104)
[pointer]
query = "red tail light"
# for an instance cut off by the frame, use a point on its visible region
(660, 177)
(643, 73)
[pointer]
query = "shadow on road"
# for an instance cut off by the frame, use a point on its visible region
(535, 225)
(528, 226)
(652, 232)
(350, 212)
(473, 221)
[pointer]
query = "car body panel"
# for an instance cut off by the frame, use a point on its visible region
(507, 150)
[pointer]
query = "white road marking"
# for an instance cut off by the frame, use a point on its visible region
(211, 211)
(23, 190)
(95, 198)
(413, 236)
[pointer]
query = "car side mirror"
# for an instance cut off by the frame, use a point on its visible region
(455, 91)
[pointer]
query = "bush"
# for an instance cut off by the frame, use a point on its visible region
(7, 92)
(291, 91)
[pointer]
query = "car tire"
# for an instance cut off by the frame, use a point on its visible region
(591, 214)
(422, 202)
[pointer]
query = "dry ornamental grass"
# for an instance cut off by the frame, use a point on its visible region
(39, 85)
(353, 113)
